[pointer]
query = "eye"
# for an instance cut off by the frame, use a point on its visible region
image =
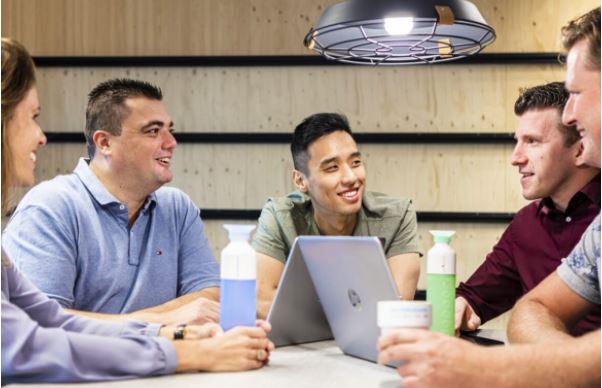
(153, 131)
(332, 168)
(530, 140)
(356, 162)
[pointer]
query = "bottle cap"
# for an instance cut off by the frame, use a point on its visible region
(442, 236)
(239, 231)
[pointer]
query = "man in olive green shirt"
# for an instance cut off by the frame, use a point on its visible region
(331, 200)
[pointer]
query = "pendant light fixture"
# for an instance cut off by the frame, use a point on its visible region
(399, 32)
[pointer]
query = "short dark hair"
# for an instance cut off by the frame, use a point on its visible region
(106, 106)
(311, 129)
(584, 27)
(553, 95)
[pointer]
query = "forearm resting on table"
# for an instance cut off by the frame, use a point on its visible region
(269, 271)
(547, 312)
(405, 269)
(157, 314)
(573, 362)
(531, 321)
(211, 293)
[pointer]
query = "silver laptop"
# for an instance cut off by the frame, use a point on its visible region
(350, 275)
(296, 314)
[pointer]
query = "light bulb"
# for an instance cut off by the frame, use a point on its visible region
(399, 25)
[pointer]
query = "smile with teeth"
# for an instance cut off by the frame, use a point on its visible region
(526, 175)
(32, 156)
(164, 161)
(349, 194)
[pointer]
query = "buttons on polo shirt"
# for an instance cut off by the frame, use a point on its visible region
(121, 207)
(568, 219)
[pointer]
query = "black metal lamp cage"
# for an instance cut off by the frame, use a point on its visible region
(355, 31)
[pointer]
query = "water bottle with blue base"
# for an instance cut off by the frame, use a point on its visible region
(238, 279)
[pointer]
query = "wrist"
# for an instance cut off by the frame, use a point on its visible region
(179, 333)
(185, 356)
(175, 333)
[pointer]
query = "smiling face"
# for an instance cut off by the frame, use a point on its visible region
(26, 137)
(543, 159)
(335, 176)
(141, 155)
(583, 106)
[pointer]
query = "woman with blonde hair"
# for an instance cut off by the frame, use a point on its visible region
(41, 342)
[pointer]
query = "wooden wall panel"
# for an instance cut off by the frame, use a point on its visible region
(437, 177)
(237, 27)
(450, 98)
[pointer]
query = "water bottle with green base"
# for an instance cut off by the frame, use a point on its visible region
(441, 282)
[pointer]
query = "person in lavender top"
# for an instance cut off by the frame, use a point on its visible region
(43, 343)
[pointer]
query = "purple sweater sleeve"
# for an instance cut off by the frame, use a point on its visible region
(42, 343)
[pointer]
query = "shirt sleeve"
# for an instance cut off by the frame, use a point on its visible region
(42, 343)
(198, 268)
(269, 239)
(581, 269)
(48, 313)
(406, 238)
(45, 249)
(495, 286)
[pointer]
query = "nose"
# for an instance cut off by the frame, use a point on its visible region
(568, 114)
(348, 175)
(518, 157)
(169, 141)
(42, 139)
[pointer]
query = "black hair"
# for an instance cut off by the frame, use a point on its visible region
(311, 129)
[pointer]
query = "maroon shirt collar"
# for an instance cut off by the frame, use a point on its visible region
(589, 194)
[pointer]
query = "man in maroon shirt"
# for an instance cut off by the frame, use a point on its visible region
(550, 162)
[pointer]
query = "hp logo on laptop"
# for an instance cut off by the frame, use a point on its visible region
(355, 300)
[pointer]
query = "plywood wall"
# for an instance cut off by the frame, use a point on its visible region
(450, 98)
(437, 177)
(236, 27)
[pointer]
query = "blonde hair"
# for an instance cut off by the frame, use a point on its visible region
(584, 27)
(18, 77)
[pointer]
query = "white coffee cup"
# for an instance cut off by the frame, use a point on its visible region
(398, 314)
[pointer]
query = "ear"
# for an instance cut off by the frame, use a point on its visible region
(102, 141)
(300, 181)
(579, 159)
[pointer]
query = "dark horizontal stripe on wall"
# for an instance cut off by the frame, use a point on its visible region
(285, 138)
(462, 217)
(270, 60)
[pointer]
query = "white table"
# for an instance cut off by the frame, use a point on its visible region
(319, 364)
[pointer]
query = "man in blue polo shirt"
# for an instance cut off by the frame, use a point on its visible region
(108, 241)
